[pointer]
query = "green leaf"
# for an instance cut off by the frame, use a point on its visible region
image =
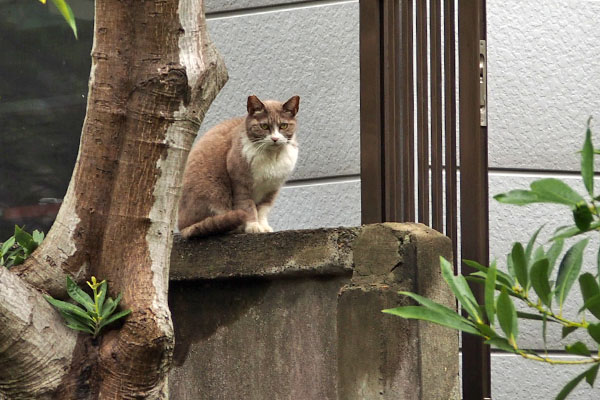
(594, 331)
(567, 232)
(461, 290)
(571, 385)
(589, 290)
(507, 317)
(520, 265)
(590, 377)
(426, 314)
(517, 197)
(587, 161)
(510, 266)
(592, 302)
(38, 237)
(67, 14)
(25, 240)
(490, 302)
(569, 269)
(432, 305)
(553, 190)
(110, 306)
(553, 253)
(76, 320)
(501, 343)
(530, 244)
(540, 281)
(566, 330)
(68, 308)
(114, 317)
(15, 260)
(502, 277)
(102, 295)
(10, 242)
(582, 216)
(79, 295)
(538, 254)
(578, 348)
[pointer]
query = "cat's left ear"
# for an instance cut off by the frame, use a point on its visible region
(291, 105)
(255, 105)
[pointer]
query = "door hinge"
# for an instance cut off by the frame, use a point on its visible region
(483, 83)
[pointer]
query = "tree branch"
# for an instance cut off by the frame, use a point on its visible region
(35, 346)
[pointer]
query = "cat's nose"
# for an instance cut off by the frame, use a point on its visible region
(274, 138)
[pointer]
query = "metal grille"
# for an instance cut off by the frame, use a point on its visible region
(409, 132)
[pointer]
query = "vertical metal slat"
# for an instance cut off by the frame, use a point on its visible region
(450, 125)
(408, 103)
(422, 113)
(392, 151)
(371, 158)
(473, 181)
(437, 208)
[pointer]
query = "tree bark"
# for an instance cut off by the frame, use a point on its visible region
(154, 74)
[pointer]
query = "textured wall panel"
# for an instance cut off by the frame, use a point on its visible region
(515, 378)
(317, 205)
(543, 80)
(310, 51)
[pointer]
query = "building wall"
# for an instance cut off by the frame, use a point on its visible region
(543, 85)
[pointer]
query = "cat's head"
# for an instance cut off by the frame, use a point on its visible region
(272, 124)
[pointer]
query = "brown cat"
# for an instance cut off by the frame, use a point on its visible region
(235, 171)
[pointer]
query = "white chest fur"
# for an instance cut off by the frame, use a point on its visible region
(269, 168)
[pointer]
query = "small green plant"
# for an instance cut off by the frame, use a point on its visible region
(95, 314)
(18, 247)
(528, 281)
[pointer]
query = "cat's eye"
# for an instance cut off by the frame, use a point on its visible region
(264, 126)
(283, 126)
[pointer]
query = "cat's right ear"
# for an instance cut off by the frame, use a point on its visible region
(255, 106)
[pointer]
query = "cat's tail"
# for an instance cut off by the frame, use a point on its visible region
(216, 224)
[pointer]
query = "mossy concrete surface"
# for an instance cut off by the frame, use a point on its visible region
(297, 315)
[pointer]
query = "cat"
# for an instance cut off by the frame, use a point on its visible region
(235, 171)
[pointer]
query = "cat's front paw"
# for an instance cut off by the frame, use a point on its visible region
(266, 227)
(253, 227)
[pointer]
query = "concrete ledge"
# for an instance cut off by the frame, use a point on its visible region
(297, 315)
(287, 253)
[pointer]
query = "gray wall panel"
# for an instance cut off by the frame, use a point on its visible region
(317, 205)
(312, 52)
(543, 80)
(515, 378)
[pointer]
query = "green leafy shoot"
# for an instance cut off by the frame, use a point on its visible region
(17, 248)
(97, 311)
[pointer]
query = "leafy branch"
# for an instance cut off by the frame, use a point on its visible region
(18, 247)
(528, 280)
(95, 314)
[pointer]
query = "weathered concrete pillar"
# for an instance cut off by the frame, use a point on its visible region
(385, 357)
(297, 315)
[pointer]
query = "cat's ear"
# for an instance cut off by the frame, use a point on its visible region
(291, 105)
(255, 105)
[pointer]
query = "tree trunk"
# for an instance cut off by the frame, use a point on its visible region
(154, 75)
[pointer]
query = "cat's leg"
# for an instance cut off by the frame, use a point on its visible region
(263, 209)
(242, 199)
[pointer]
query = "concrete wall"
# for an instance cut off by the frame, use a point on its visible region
(543, 85)
(301, 319)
